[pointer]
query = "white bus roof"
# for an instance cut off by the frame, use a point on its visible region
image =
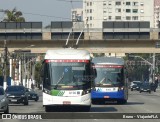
(108, 60)
(68, 53)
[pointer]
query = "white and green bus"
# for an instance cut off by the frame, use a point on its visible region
(64, 75)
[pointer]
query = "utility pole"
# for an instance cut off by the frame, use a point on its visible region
(154, 62)
(5, 65)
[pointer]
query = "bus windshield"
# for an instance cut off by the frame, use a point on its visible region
(109, 76)
(67, 75)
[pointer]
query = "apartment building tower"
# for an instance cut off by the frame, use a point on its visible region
(77, 14)
(97, 11)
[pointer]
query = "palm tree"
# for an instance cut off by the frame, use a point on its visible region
(13, 16)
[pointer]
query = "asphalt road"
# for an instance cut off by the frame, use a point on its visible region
(137, 103)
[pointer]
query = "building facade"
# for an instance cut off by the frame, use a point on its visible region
(97, 11)
(156, 13)
(77, 14)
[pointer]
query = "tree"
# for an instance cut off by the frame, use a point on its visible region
(37, 73)
(13, 16)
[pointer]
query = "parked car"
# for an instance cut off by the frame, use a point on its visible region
(135, 85)
(4, 107)
(145, 87)
(17, 94)
(32, 95)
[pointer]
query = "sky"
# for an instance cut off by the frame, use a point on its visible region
(41, 10)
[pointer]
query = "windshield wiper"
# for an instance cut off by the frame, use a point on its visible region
(60, 79)
(103, 79)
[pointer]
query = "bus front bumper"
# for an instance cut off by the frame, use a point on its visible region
(108, 95)
(60, 100)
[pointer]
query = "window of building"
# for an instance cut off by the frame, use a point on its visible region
(90, 3)
(128, 3)
(118, 17)
(87, 3)
(87, 10)
(110, 17)
(118, 10)
(104, 3)
(135, 18)
(128, 10)
(135, 10)
(104, 11)
(118, 3)
(105, 18)
(109, 3)
(110, 10)
(135, 3)
(142, 4)
(142, 11)
(90, 10)
(90, 17)
(128, 18)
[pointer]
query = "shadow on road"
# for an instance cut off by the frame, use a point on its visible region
(134, 103)
(103, 109)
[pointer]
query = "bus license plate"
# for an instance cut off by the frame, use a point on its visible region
(106, 96)
(66, 102)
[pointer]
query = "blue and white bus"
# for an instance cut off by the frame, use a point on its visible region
(110, 83)
(64, 75)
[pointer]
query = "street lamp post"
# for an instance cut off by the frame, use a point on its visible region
(5, 65)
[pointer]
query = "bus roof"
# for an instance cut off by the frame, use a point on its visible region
(108, 60)
(68, 53)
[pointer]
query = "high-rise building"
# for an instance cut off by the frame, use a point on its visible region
(156, 13)
(97, 11)
(77, 14)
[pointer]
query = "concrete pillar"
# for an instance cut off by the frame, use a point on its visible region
(46, 35)
(19, 72)
(93, 36)
(154, 35)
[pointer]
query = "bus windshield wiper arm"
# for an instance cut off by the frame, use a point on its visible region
(60, 79)
(102, 80)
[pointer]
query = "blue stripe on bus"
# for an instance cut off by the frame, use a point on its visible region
(117, 95)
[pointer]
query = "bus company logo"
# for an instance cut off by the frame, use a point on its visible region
(6, 116)
(99, 89)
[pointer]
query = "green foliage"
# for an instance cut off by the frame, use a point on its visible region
(37, 72)
(14, 16)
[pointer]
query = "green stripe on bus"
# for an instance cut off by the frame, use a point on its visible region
(57, 92)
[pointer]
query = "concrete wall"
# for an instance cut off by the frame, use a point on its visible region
(93, 36)
(46, 36)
